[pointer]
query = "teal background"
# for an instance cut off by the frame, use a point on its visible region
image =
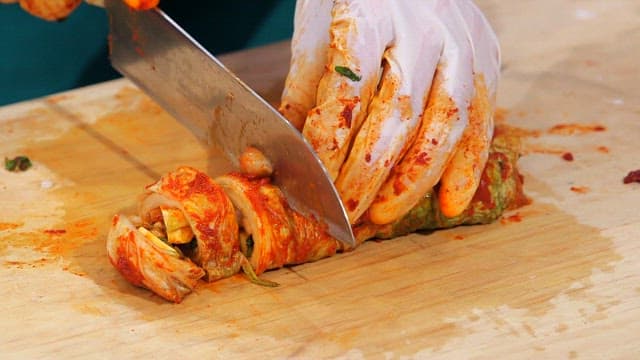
(38, 58)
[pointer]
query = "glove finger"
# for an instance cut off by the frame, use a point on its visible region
(50, 10)
(309, 47)
(359, 33)
(486, 48)
(142, 4)
(462, 176)
(443, 123)
(394, 115)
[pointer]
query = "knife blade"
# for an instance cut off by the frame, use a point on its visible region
(157, 55)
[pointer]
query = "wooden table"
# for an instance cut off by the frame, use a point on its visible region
(559, 278)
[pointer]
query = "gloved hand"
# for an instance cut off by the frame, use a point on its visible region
(56, 10)
(395, 96)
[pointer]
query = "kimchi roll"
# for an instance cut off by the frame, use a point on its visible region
(191, 211)
(273, 234)
(146, 261)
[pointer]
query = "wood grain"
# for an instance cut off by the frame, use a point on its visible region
(556, 279)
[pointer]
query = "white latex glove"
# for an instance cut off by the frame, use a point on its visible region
(395, 96)
(57, 10)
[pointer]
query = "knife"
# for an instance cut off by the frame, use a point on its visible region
(150, 49)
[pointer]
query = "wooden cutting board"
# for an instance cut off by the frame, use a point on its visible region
(559, 278)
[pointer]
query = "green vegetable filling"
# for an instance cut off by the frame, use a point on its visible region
(188, 248)
(249, 245)
(345, 71)
(17, 164)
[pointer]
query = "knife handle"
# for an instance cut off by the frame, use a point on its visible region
(98, 3)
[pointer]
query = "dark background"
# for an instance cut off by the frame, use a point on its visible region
(38, 58)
